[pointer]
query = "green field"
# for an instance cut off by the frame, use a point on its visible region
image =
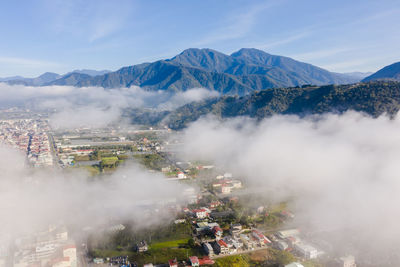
(170, 244)
(233, 261)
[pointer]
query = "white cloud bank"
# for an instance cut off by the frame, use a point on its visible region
(93, 106)
(30, 199)
(342, 170)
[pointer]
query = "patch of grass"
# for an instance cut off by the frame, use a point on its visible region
(81, 157)
(278, 208)
(109, 160)
(170, 244)
(233, 261)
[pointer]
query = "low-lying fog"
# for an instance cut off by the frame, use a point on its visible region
(342, 171)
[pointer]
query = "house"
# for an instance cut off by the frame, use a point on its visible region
(206, 261)
(233, 243)
(348, 261)
(70, 252)
(178, 221)
(306, 251)
(281, 245)
(194, 261)
(217, 232)
(228, 175)
(235, 228)
(208, 249)
(173, 263)
(248, 242)
(166, 169)
(142, 246)
(224, 249)
(226, 188)
(262, 239)
(181, 175)
(236, 184)
(215, 204)
(291, 240)
(200, 213)
(286, 233)
(287, 214)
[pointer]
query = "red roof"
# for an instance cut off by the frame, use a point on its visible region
(216, 229)
(194, 260)
(173, 262)
(199, 210)
(222, 243)
(206, 261)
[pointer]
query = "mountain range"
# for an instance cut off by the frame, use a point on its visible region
(48, 77)
(240, 73)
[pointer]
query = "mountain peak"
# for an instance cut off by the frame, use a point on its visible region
(249, 51)
(204, 58)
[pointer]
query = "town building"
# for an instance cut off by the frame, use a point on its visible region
(200, 213)
(306, 251)
(194, 261)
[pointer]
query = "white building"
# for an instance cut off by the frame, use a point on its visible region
(348, 261)
(200, 213)
(294, 264)
(70, 252)
(306, 251)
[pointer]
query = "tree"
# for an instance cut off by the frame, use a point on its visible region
(191, 243)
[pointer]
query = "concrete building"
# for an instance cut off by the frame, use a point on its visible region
(200, 213)
(348, 261)
(306, 251)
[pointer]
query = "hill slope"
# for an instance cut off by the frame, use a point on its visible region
(391, 72)
(374, 98)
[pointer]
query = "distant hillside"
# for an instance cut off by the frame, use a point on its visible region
(391, 72)
(238, 74)
(71, 78)
(358, 75)
(374, 98)
(38, 81)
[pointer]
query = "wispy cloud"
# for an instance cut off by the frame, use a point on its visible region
(236, 25)
(26, 62)
(92, 20)
(378, 16)
(282, 40)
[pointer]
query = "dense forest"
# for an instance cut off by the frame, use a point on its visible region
(374, 98)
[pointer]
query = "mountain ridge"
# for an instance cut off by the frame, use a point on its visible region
(373, 98)
(239, 73)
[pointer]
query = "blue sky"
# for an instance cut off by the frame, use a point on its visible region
(62, 35)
